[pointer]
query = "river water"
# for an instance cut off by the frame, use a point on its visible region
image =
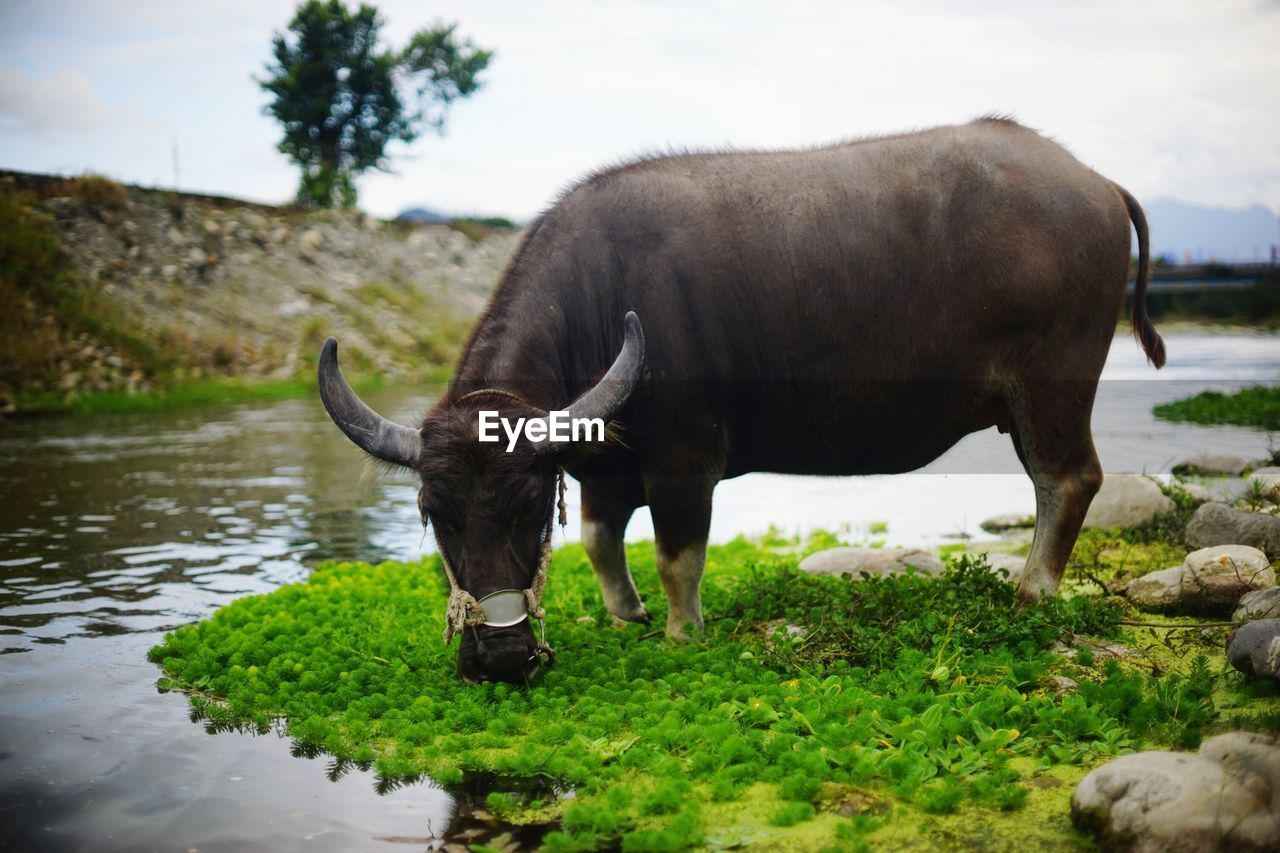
(115, 529)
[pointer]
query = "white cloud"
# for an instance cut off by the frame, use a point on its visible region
(64, 100)
(1167, 97)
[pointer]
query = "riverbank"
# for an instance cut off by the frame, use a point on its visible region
(128, 298)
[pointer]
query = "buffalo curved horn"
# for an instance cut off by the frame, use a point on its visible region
(614, 388)
(371, 432)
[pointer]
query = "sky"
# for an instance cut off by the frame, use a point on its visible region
(1171, 98)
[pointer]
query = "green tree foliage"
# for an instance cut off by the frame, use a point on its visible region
(342, 97)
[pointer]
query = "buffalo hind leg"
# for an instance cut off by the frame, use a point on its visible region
(681, 508)
(1052, 436)
(604, 523)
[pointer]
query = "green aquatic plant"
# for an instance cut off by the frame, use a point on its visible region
(935, 694)
(1254, 406)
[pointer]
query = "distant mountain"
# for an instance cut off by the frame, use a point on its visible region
(421, 214)
(1183, 231)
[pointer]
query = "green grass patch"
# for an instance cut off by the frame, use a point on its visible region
(1255, 406)
(907, 711)
(195, 392)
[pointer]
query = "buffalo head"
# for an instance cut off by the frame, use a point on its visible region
(489, 504)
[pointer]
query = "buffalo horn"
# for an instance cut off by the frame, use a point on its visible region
(371, 432)
(614, 388)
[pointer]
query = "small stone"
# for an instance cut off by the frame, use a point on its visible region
(255, 221)
(1212, 465)
(1211, 580)
(1254, 649)
(1218, 524)
(1062, 684)
(1011, 521)
(196, 257)
(310, 239)
(174, 235)
(871, 561)
(212, 228)
(168, 271)
(1126, 500)
(1014, 566)
(1197, 492)
(1259, 604)
(1225, 797)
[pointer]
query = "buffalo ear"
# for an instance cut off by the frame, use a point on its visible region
(607, 397)
(371, 432)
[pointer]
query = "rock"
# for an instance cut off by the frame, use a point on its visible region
(1015, 566)
(872, 561)
(255, 221)
(1197, 492)
(1254, 649)
(1012, 521)
(196, 257)
(1225, 797)
(174, 235)
(1249, 563)
(1126, 500)
(212, 228)
(1218, 524)
(790, 630)
(1063, 685)
(1159, 590)
(1220, 490)
(168, 270)
(1259, 604)
(1211, 580)
(1211, 465)
(310, 239)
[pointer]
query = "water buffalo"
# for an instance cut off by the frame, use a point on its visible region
(849, 309)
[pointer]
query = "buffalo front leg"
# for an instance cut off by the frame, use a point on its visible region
(1052, 436)
(604, 523)
(681, 508)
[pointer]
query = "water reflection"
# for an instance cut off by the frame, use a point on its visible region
(145, 522)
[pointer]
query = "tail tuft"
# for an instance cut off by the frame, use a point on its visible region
(1143, 330)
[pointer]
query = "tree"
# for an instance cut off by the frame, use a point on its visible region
(342, 97)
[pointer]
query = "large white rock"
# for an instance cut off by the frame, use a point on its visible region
(872, 561)
(1211, 580)
(1225, 797)
(1126, 500)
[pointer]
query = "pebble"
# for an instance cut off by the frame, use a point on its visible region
(871, 561)
(1254, 649)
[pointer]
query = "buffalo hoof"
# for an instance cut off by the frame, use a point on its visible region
(685, 632)
(635, 614)
(1030, 593)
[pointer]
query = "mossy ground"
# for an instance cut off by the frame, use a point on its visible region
(912, 712)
